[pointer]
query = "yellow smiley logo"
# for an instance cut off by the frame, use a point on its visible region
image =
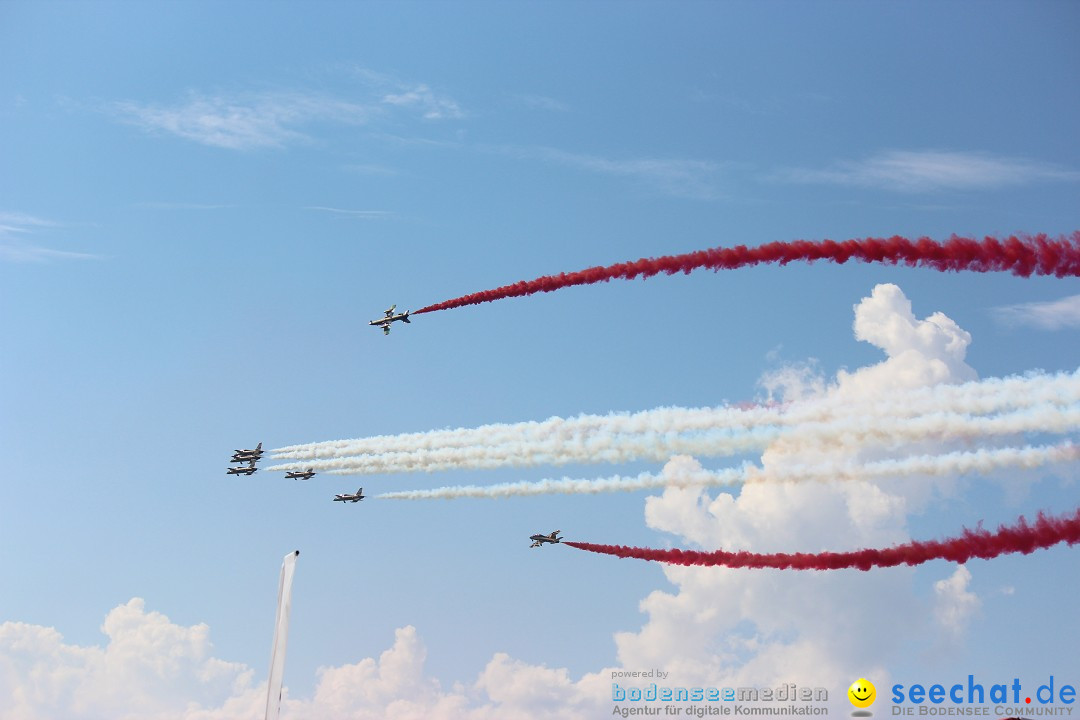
(862, 693)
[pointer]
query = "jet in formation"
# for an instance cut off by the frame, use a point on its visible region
(350, 497)
(245, 456)
(384, 322)
(242, 469)
(248, 455)
(297, 475)
(539, 540)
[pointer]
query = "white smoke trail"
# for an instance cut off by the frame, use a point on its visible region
(613, 448)
(976, 397)
(983, 460)
(281, 636)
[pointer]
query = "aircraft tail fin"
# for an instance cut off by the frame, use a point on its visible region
(406, 318)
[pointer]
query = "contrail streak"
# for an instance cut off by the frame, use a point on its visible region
(978, 543)
(659, 446)
(954, 463)
(1022, 255)
(977, 397)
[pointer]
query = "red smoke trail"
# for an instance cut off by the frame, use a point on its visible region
(977, 543)
(1023, 256)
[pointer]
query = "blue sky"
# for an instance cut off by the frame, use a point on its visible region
(203, 204)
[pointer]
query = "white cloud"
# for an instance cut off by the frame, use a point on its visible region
(433, 106)
(243, 122)
(395, 92)
(274, 119)
(931, 170)
(149, 668)
(1052, 315)
(153, 669)
(16, 245)
(372, 169)
(181, 206)
(686, 178)
(542, 102)
(717, 627)
(747, 627)
(921, 353)
(955, 604)
(360, 214)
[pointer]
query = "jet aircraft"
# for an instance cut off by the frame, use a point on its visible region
(539, 540)
(384, 322)
(242, 469)
(350, 497)
(246, 455)
(297, 475)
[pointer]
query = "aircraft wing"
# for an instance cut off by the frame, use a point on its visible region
(385, 329)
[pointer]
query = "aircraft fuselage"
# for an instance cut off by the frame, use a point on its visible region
(384, 322)
(539, 540)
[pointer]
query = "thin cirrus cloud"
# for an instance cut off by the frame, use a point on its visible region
(1052, 315)
(358, 214)
(17, 244)
(243, 122)
(163, 205)
(416, 96)
(542, 102)
(930, 170)
(274, 119)
(695, 179)
(421, 97)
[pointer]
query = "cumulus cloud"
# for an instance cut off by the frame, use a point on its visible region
(153, 669)
(148, 668)
(713, 627)
(748, 627)
(920, 353)
(954, 603)
(1052, 315)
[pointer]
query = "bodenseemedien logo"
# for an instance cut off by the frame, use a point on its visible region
(862, 695)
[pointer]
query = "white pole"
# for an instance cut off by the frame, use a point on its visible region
(281, 636)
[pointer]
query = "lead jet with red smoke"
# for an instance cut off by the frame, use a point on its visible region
(297, 475)
(350, 497)
(384, 322)
(242, 469)
(539, 540)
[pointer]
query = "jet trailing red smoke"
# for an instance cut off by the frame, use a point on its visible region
(1023, 255)
(979, 543)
